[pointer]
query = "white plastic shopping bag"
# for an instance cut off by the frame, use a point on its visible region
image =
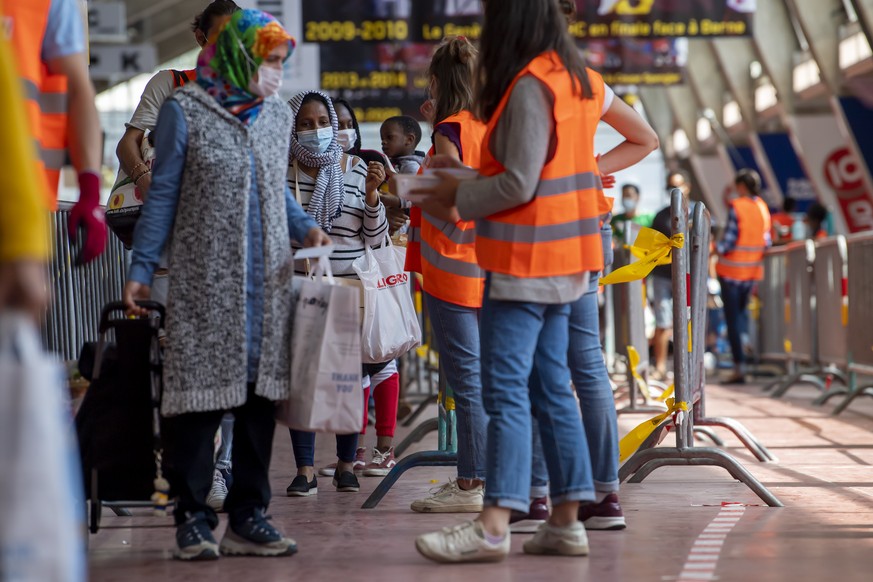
(391, 326)
(325, 354)
(41, 500)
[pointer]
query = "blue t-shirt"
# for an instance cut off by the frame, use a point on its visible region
(64, 34)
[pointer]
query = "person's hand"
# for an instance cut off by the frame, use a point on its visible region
(24, 287)
(390, 201)
(439, 201)
(608, 180)
(316, 238)
(375, 176)
(134, 292)
(87, 217)
(143, 185)
(396, 219)
(427, 110)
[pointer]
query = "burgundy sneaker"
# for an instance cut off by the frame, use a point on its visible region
(604, 515)
(359, 464)
(381, 464)
(531, 521)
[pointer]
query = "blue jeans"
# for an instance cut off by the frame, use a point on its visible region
(303, 444)
(515, 336)
(591, 380)
(223, 462)
(735, 296)
(456, 331)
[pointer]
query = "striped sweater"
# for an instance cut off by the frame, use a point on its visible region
(358, 225)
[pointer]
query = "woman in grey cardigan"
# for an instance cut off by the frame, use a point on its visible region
(219, 199)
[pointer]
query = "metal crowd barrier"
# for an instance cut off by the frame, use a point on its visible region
(802, 340)
(771, 322)
(629, 327)
(79, 293)
(859, 330)
(688, 369)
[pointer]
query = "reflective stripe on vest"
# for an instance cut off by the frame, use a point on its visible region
(448, 252)
(744, 261)
(557, 233)
(46, 94)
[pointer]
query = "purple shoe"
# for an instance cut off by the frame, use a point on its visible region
(531, 521)
(604, 515)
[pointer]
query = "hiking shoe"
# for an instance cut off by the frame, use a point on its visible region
(461, 543)
(531, 521)
(604, 515)
(346, 483)
(194, 539)
(558, 541)
(359, 464)
(256, 537)
(218, 493)
(450, 498)
(301, 487)
(381, 464)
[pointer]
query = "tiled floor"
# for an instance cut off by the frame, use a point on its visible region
(824, 476)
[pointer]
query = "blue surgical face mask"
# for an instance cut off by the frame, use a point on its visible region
(316, 140)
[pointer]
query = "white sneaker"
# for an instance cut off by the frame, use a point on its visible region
(461, 543)
(449, 498)
(558, 541)
(218, 493)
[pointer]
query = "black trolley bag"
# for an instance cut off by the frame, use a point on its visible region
(118, 423)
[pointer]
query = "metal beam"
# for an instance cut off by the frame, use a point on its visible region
(819, 20)
(658, 113)
(686, 110)
(705, 78)
(776, 44)
(734, 56)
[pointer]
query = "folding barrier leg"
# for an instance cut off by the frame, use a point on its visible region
(798, 378)
(864, 391)
(410, 420)
(422, 459)
(701, 431)
(742, 433)
(645, 462)
(428, 426)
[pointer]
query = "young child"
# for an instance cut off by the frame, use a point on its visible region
(400, 136)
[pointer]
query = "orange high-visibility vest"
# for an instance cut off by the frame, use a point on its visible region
(744, 262)
(180, 78)
(448, 251)
(46, 94)
(413, 237)
(558, 232)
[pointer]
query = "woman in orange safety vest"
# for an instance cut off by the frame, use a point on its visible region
(538, 210)
(452, 278)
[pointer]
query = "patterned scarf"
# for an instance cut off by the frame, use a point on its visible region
(327, 199)
(231, 57)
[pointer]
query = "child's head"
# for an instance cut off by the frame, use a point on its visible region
(451, 77)
(400, 136)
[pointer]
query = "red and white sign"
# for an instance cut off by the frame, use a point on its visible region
(836, 172)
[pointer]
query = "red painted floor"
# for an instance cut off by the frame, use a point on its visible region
(824, 476)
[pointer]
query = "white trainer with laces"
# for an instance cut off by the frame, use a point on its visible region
(461, 543)
(450, 498)
(218, 493)
(558, 541)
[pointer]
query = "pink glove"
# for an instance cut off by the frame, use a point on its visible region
(87, 217)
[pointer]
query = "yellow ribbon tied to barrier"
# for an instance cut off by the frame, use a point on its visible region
(652, 249)
(632, 440)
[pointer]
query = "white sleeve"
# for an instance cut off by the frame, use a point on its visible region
(608, 98)
(157, 90)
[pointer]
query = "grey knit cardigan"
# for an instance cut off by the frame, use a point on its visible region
(205, 355)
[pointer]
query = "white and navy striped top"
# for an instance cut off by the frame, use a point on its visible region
(358, 225)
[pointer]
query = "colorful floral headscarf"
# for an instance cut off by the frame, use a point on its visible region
(226, 64)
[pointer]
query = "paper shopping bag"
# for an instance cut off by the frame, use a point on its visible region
(325, 391)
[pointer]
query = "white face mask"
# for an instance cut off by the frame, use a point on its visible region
(628, 204)
(316, 140)
(268, 83)
(347, 138)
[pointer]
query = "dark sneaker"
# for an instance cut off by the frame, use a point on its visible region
(256, 537)
(531, 521)
(300, 487)
(347, 483)
(194, 539)
(604, 515)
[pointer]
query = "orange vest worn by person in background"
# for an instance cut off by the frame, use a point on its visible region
(45, 94)
(445, 253)
(744, 262)
(558, 232)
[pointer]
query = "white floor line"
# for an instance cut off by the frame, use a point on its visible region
(702, 559)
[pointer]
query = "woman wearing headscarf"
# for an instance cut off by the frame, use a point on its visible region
(341, 193)
(219, 200)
